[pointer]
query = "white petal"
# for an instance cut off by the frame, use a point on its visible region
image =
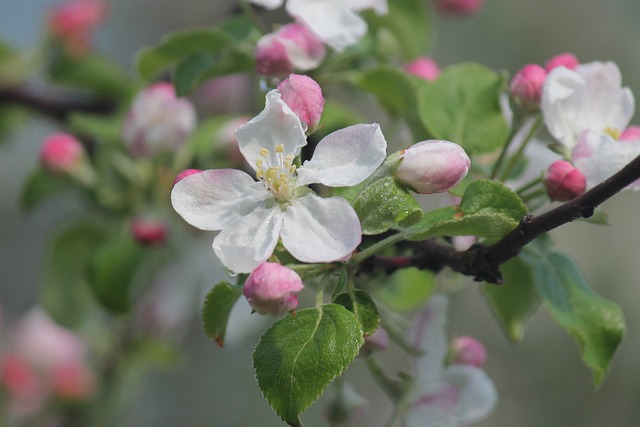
(275, 125)
(430, 336)
(331, 20)
(320, 230)
(598, 156)
(211, 199)
(561, 99)
(477, 393)
(249, 240)
(379, 6)
(345, 157)
(267, 4)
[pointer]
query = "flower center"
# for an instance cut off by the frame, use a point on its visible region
(612, 132)
(279, 179)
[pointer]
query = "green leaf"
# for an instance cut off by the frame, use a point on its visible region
(462, 106)
(299, 356)
(597, 324)
(517, 300)
(112, 271)
(175, 47)
(64, 291)
(385, 204)
(108, 128)
(487, 196)
(406, 289)
(217, 308)
(363, 306)
(189, 71)
(38, 186)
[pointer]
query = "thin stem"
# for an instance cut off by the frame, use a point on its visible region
(251, 13)
(531, 184)
(534, 195)
(518, 155)
(503, 154)
(375, 248)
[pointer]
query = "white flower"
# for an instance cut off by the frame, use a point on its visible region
(448, 395)
(589, 98)
(254, 215)
(335, 22)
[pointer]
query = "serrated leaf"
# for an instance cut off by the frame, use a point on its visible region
(516, 301)
(38, 186)
(597, 324)
(216, 310)
(385, 204)
(64, 290)
(491, 196)
(299, 356)
(462, 106)
(406, 289)
(363, 306)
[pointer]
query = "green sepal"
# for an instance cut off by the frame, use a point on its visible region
(216, 310)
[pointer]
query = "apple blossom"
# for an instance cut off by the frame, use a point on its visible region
(432, 166)
(304, 96)
(72, 381)
(158, 121)
(292, 47)
(447, 395)
(423, 67)
(564, 181)
(335, 22)
(254, 215)
(61, 154)
(459, 6)
(469, 351)
(566, 60)
(185, 173)
(632, 133)
(73, 21)
(526, 86)
(271, 289)
(589, 98)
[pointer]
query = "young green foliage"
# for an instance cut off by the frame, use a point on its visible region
(216, 310)
(362, 305)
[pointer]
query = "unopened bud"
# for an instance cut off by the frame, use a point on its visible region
(469, 351)
(432, 166)
(566, 60)
(185, 173)
(149, 232)
(632, 133)
(459, 7)
(564, 181)
(72, 22)
(304, 96)
(526, 86)
(377, 341)
(423, 67)
(158, 121)
(71, 381)
(292, 47)
(61, 154)
(271, 289)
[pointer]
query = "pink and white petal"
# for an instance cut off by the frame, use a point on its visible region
(267, 4)
(276, 125)
(331, 20)
(345, 157)
(563, 96)
(320, 230)
(436, 409)
(212, 199)
(476, 392)
(430, 336)
(250, 240)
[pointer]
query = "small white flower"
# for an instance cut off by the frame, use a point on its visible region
(448, 395)
(254, 215)
(589, 98)
(335, 22)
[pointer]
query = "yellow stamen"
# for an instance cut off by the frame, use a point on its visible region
(612, 132)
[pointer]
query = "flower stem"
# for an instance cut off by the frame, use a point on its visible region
(518, 155)
(517, 120)
(531, 184)
(375, 248)
(251, 13)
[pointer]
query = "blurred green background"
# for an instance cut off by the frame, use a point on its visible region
(541, 381)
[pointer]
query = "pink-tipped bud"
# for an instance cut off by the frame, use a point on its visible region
(459, 7)
(149, 232)
(271, 289)
(433, 166)
(632, 133)
(377, 341)
(292, 47)
(158, 121)
(61, 154)
(526, 86)
(185, 173)
(566, 60)
(71, 381)
(304, 96)
(564, 181)
(469, 351)
(423, 67)
(73, 22)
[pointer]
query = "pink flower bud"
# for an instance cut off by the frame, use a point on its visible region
(378, 341)
(158, 121)
(61, 153)
(26, 393)
(185, 173)
(469, 351)
(304, 96)
(423, 67)
(292, 47)
(271, 288)
(459, 7)
(433, 166)
(632, 133)
(564, 181)
(71, 381)
(566, 60)
(73, 21)
(526, 86)
(148, 231)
